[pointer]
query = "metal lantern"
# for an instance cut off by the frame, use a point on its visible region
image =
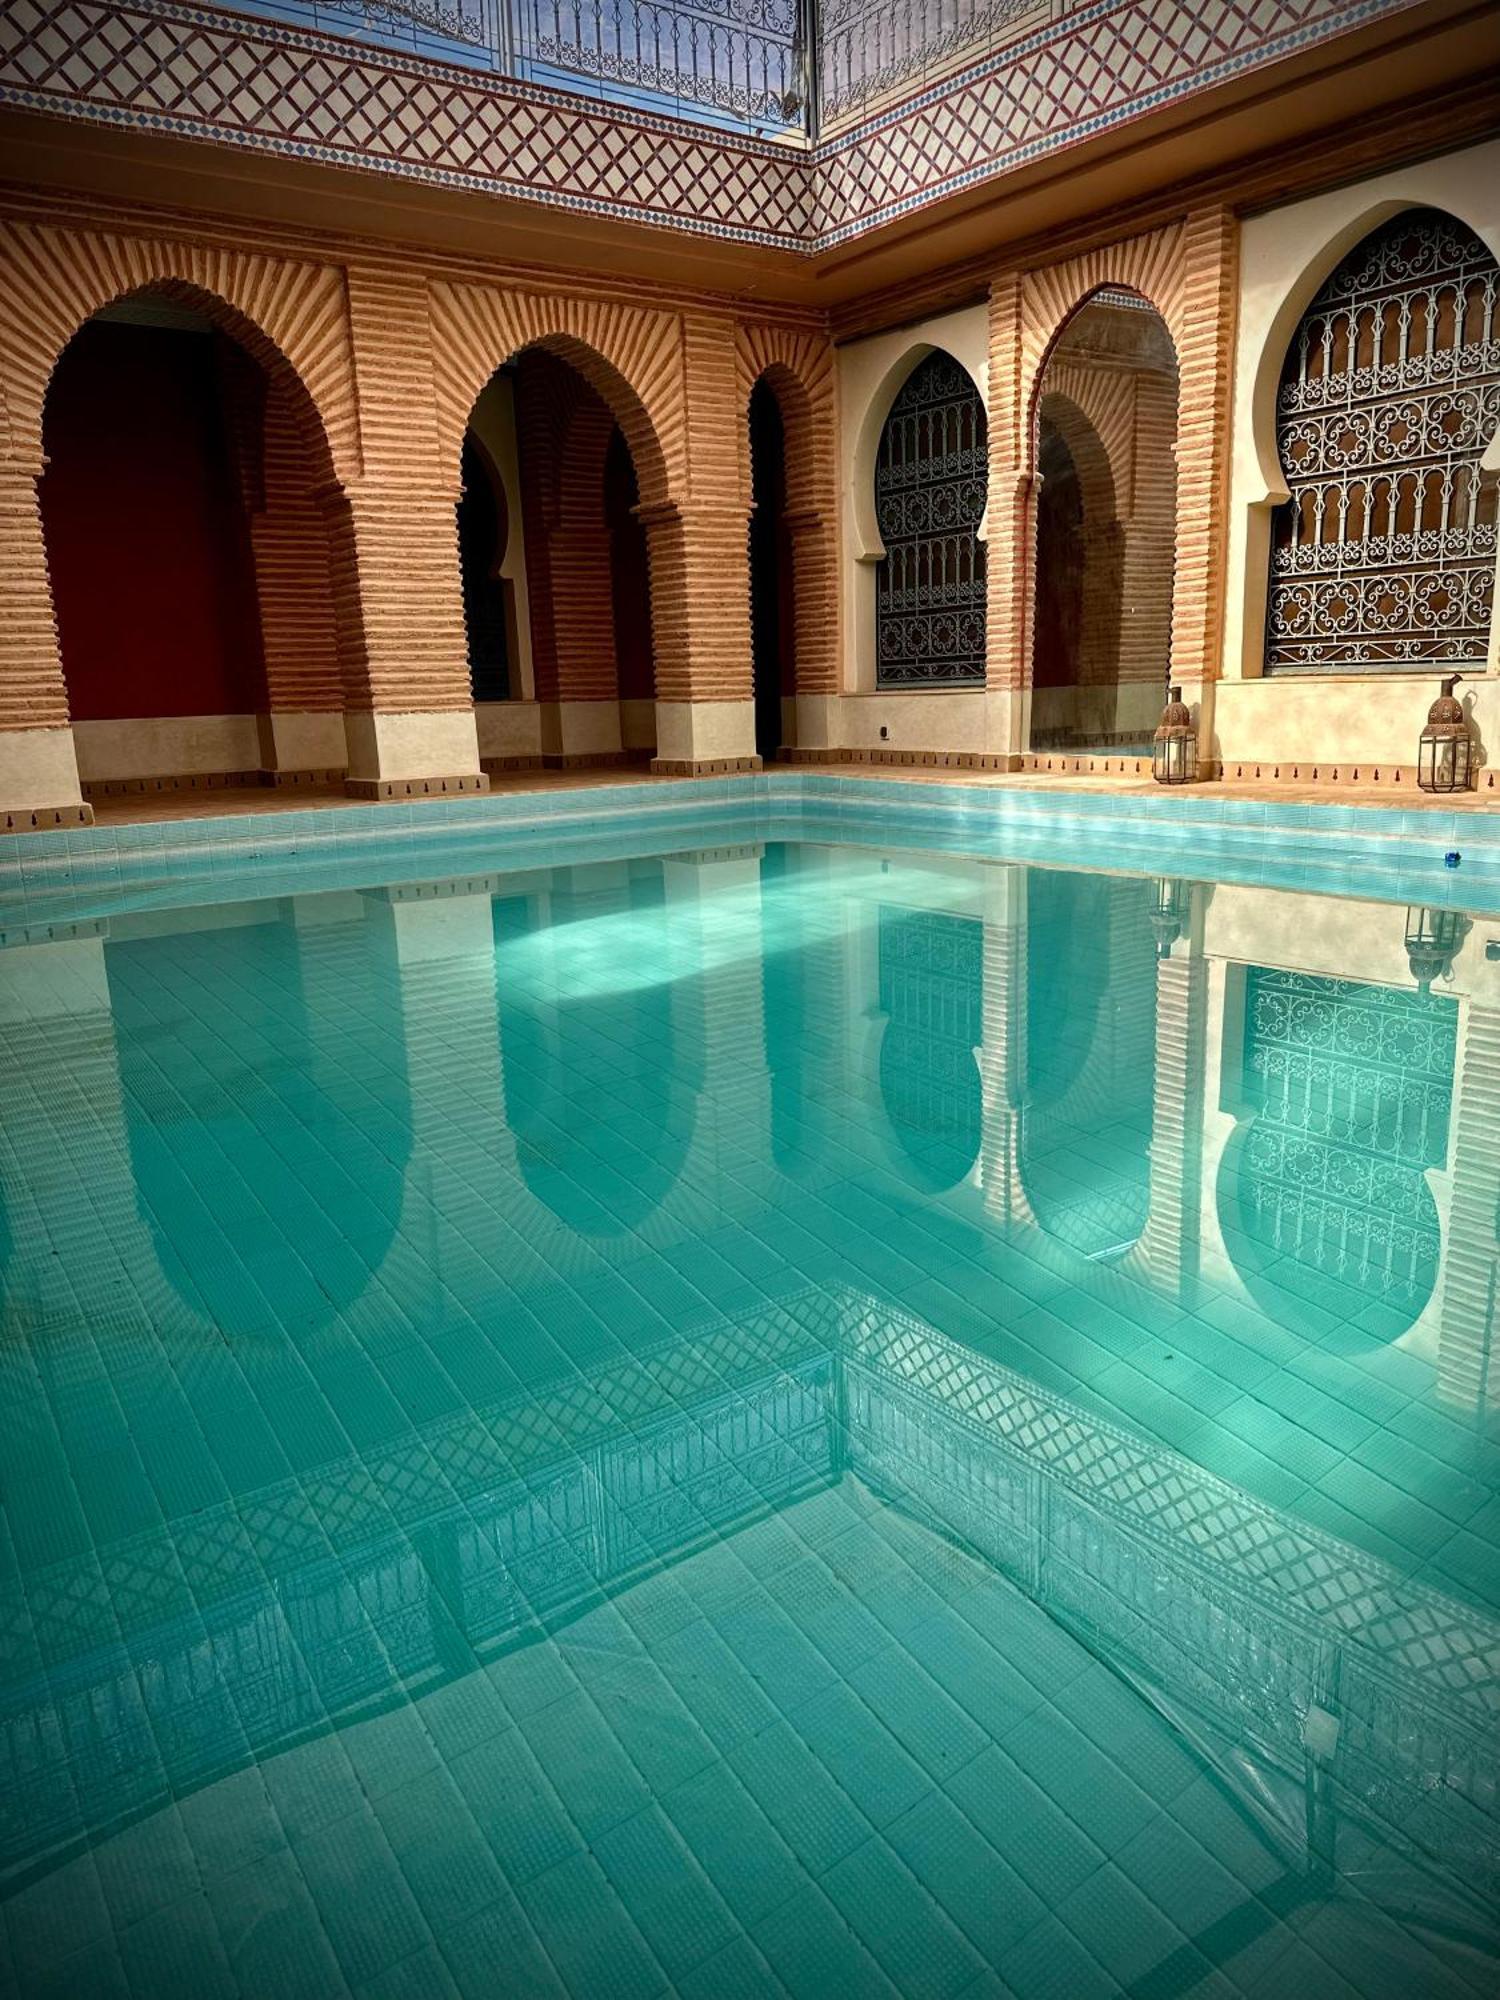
(1174, 748)
(1432, 941)
(1169, 912)
(1445, 755)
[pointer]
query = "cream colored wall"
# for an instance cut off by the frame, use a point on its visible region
(509, 728)
(1284, 256)
(167, 746)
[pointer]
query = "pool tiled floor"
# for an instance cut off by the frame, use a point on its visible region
(526, 1447)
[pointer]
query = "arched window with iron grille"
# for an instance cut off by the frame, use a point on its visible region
(930, 478)
(1383, 558)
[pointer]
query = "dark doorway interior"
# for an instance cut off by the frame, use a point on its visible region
(770, 570)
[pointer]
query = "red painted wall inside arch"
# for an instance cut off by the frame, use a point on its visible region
(148, 540)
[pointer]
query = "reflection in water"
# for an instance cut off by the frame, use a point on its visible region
(1090, 1053)
(523, 1355)
(1231, 1618)
(251, 1115)
(931, 995)
(575, 1062)
(1348, 1091)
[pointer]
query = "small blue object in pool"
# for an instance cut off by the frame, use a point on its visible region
(1452, 858)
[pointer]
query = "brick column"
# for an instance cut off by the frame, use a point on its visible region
(302, 732)
(411, 723)
(564, 431)
(1205, 354)
(1010, 515)
(38, 768)
(700, 572)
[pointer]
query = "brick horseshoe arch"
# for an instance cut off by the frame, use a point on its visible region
(631, 357)
(291, 316)
(798, 369)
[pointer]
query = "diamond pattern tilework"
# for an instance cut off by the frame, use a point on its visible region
(201, 73)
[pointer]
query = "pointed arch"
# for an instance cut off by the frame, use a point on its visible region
(291, 317)
(796, 367)
(930, 486)
(631, 357)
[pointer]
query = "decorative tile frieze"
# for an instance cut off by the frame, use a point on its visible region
(198, 73)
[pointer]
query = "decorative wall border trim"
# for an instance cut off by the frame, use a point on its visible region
(305, 95)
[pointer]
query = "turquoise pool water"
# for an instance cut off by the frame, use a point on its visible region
(779, 1417)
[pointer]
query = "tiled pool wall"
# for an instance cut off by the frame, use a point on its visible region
(1385, 853)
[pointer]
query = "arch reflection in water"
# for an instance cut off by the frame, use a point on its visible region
(270, 1164)
(601, 1084)
(931, 994)
(1348, 1091)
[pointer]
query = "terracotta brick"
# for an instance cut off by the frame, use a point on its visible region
(1187, 271)
(798, 368)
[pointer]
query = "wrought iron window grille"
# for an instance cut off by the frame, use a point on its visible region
(1383, 558)
(931, 475)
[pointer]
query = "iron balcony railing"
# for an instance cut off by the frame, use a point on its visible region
(867, 49)
(778, 68)
(742, 64)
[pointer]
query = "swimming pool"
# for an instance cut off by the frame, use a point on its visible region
(764, 1411)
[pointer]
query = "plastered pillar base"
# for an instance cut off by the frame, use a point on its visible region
(694, 739)
(1200, 698)
(580, 733)
(39, 781)
(301, 744)
(413, 755)
(967, 728)
(510, 735)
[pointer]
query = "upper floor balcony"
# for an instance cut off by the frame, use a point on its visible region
(798, 126)
(782, 69)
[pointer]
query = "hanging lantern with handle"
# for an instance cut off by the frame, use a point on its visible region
(1174, 748)
(1171, 905)
(1433, 937)
(1445, 754)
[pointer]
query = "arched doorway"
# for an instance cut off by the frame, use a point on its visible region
(483, 540)
(931, 481)
(568, 580)
(1383, 557)
(772, 609)
(1106, 422)
(188, 507)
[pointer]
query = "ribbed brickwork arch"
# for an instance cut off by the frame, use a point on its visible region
(1187, 272)
(1152, 266)
(797, 366)
(632, 357)
(290, 315)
